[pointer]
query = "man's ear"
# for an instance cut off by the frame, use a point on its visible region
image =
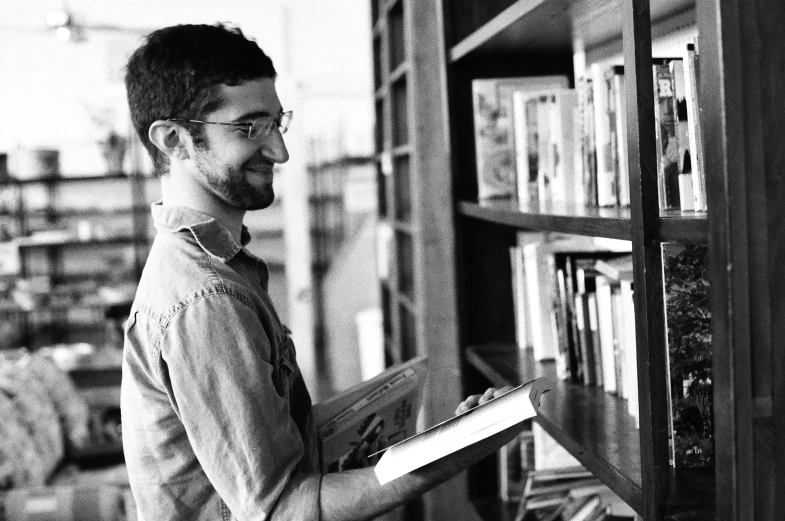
(170, 138)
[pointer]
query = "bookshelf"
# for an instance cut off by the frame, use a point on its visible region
(462, 275)
(45, 219)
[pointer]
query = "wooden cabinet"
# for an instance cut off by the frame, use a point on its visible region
(448, 292)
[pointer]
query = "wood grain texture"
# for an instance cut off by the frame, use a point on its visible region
(647, 257)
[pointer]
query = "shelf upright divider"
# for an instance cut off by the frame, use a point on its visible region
(647, 256)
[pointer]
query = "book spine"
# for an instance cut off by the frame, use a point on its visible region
(631, 349)
(605, 327)
(520, 131)
(695, 128)
(686, 200)
(594, 328)
(519, 296)
(621, 135)
(538, 285)
(533, 147)
(545, 165)
(606, 182)
(558, 312)
(576, 351)
(619, 355)
(588, 148)
(667, 141)
(587, 350)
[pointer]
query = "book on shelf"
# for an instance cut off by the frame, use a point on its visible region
(544, 133)
(607, 187)
(588, 149)
(695, 132)
(617, 121)
(515, 460)
(547, 311)
(689, 353)
(373, 413)
(493, 130)
(665, 132)
(686, 195)
(570, 492)
(472, 426)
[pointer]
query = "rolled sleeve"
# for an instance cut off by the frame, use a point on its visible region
(222, 384)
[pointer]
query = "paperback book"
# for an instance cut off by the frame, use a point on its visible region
(368, 416)
(477, 424)
(493, 130)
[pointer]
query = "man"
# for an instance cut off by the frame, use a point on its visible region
(216, 417)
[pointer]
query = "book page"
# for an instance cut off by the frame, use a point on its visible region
(461, 431)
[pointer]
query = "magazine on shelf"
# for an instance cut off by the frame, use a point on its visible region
(479, 423)
(374, 413)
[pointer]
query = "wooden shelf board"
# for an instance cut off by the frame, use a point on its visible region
(519, 27)
(594, 426)
(614, 223)
(590, 22)
(684, 228)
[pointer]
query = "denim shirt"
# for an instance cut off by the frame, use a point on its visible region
(216, 416)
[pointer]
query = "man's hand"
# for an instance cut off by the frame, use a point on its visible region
(478, 399)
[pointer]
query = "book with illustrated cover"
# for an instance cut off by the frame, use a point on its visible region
(667, 140)
(493, 130)
(472, 426)
(371, 415)
(688, 320)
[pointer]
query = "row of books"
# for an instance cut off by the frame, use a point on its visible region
(542, 143)
(574, 304)
(542, 481)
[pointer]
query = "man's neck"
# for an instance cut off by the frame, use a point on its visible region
(176, 193)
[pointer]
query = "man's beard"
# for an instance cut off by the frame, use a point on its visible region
(230, 183)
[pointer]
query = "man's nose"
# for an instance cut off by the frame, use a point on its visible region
(275, 148)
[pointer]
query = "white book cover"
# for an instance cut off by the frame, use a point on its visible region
(544, 150)
(606, 179)
(540, 291)
(519, 296)
(508, 410)
(695, 133)
(631, 347)
(605, 327)
(563, 122)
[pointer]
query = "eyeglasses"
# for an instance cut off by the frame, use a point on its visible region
(257, 128)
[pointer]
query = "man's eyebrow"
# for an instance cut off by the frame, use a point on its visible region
(253, 114)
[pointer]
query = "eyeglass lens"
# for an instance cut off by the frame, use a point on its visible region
(262, 126)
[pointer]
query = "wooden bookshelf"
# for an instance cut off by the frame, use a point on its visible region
(466, 266)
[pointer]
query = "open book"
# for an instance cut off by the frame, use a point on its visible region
(370, 415)
(461, 431)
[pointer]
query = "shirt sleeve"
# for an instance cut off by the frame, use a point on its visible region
(219, 363)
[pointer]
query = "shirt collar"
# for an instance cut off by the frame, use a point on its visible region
(212, 236)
